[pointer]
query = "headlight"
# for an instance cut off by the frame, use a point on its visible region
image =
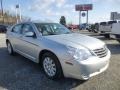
(79, 54)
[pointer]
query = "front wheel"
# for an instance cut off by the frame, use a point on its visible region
(51, 66)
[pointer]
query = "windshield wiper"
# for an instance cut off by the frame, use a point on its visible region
(68, 32)
(52, 34)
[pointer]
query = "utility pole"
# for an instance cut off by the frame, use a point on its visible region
(16, 7)
(18, 13)
(87, 18)
(79, 18)
(2, 12)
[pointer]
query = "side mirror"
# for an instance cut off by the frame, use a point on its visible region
(29, 34)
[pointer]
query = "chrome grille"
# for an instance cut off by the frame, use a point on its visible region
(102, 52)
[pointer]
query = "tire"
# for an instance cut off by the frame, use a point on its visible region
(10, 48)
(107, 36)
(51, 66)
(118, 40)
(95, 31)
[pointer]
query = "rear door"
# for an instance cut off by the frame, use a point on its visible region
(15, 36)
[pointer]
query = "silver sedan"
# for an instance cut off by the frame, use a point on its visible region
(59, 51)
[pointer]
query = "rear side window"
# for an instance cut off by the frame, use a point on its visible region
(111, 22)
(1, 26)
(17, 29)
(103, 23)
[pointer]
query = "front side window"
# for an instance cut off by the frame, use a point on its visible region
(27, 28)
(52, 29)
(17, 29)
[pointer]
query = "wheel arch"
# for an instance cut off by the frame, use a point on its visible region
(43, 52)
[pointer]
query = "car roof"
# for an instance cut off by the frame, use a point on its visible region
(38, 21)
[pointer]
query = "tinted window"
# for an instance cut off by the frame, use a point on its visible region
(2, 26)
(103, 23)
(111, 22)
(27, 28)
(17, 29)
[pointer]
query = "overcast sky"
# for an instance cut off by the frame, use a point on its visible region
(54, 9)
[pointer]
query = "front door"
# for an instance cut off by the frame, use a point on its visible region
(29, 44)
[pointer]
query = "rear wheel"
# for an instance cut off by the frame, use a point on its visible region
(95, 31)
(107, 36)
(51, 66)
(118, 40)
(9, 48)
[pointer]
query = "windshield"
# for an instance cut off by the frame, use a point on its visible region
(52, 29)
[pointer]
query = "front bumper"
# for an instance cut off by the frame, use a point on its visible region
(87, 68)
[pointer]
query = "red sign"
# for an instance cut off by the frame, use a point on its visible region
(83, 7)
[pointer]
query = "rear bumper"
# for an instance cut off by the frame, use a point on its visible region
(117, 36)
(103, 33)
(85, 69)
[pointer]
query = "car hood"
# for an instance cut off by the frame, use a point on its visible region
(76, 40)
